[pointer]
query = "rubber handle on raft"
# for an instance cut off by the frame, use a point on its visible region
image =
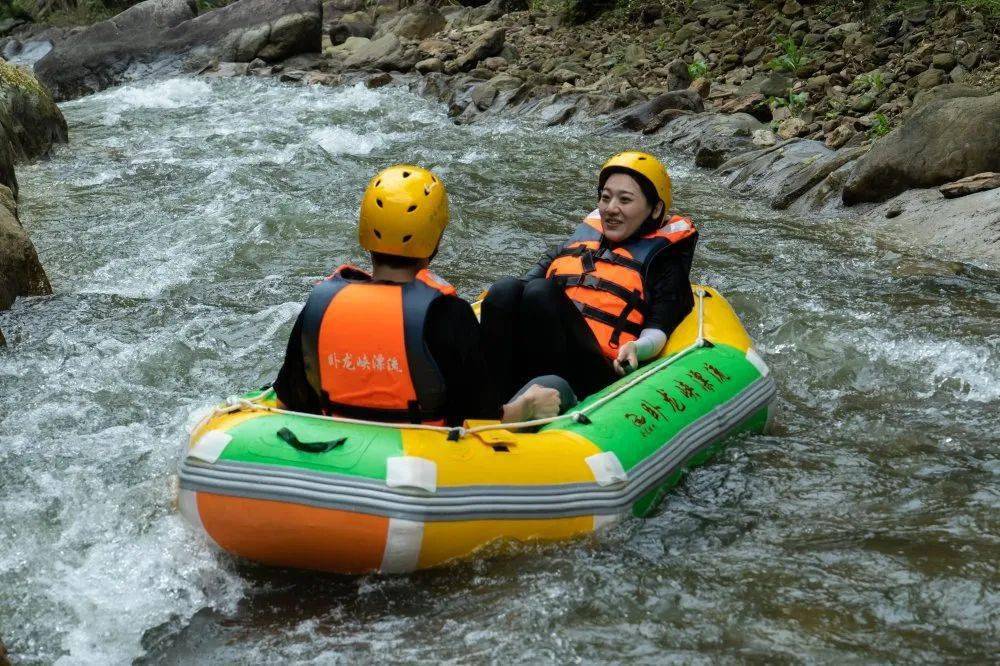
(309, 447)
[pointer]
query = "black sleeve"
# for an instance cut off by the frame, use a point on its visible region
(670, 297)
(454, 340)
(292, 387)
(542, 267)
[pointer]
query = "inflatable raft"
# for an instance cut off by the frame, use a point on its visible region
(341, 495)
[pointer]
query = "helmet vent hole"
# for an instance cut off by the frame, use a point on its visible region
(378, 182)
(377, 234)
(434, 179)
(407, 237)
(427, 191)
(379, 202)
(406, 174)
(642, 159)
(411, 208)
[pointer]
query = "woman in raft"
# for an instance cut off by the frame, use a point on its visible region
(607, 298)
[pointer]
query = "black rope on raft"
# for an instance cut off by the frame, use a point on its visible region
(454, 434)
(582, 418)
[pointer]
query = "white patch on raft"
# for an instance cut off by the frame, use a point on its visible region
(411, 472)
(607, 468)
(602, 521)
(210, 446)
(758, 362)
(402, 546)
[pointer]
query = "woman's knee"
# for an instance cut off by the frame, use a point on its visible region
(505, 294)
(542, 297)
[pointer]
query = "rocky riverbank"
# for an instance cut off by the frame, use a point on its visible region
(826, 108)
(30, 122)
(883, 113)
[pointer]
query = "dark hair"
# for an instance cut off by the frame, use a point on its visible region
(645, 185)
(395, 261)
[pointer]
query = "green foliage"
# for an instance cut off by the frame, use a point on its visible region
(697, 69)
(795, 102)
(874, 81)
(14, 9)
(792, 58)
(881, 126)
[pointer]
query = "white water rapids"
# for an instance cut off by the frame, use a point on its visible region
(182, 227)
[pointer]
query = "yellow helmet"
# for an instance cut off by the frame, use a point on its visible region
(404, 212)
(645, 165)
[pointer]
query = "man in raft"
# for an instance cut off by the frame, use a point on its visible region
(606, 299)
(398, 345)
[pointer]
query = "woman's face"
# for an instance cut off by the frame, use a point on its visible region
(623, 207)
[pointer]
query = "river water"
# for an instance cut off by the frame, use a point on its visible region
(182, 228)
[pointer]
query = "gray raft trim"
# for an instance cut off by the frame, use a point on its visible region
(350, 493)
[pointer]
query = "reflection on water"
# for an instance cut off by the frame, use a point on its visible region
(181, 230)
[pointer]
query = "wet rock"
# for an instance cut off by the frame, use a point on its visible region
(641, 115)
(161, 36)
(558, 113)
(839, 136)
(225, 70)
(372, 54)
(21, 274)
(784, 172)
(970, 185)
(944, 141)
(913, 220)
(483, 95)
(356, 24)
(702, 86)
(429, 65)
(750, 104)
(488, 44)
(30, 120)
(417, 22)
(945, 91)
(378, 81)
(716, 137)
(944, 61)
(678, 77)
(764, 138)
(929, 79)
(791, 8)
(791, 128)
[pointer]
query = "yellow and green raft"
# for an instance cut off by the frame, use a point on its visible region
(312, 492)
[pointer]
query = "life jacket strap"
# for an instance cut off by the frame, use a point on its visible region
(632, 298)
(619, 324)
(590, 255)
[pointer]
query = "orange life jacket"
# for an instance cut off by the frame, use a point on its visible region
(608, 284)
(364, 349)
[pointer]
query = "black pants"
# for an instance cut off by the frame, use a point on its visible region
(532, 329)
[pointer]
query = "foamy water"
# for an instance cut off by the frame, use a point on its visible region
(182, 229)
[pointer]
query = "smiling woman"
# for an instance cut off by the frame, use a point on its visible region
(606, 299)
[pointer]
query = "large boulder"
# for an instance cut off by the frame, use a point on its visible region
(30, 123)
(784, 172)
(417, 22)
(913, 220)
(20, 272)
(490, 43)
(161, 36)
(712, 138)
(642, 116)
(945, 140)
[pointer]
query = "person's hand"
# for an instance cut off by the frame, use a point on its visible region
(626, 357)
(538, 402)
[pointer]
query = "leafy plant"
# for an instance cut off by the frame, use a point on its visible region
(792, 58)
(697, 69)
(880, 127)
(795, 102)
(874, 81)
